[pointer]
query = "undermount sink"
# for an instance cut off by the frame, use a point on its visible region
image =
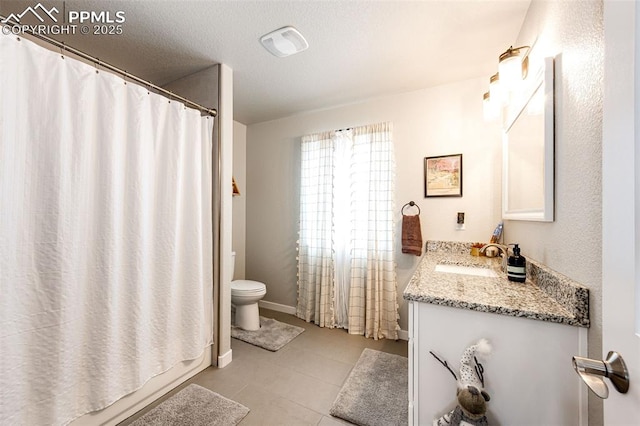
(467, 270)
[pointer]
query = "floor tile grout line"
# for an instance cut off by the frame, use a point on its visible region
(331, 346)
(301, 371)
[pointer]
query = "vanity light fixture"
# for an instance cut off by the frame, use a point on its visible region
(284, 42)
(498, 97)
(513, 65)
(490, 110)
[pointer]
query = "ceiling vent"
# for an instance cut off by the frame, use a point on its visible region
(284, 42)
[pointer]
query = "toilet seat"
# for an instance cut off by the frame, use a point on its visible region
(247, 287)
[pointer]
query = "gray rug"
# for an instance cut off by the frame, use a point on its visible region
(272, 335)
(376, 392)
(194, 406)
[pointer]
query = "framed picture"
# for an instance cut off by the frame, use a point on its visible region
(443, 176)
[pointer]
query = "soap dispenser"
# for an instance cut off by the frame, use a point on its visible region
(516, 266)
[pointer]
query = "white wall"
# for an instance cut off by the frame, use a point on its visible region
(573, 32)
(239, 201)
(437, 121)
(200, 87)
(223, 182)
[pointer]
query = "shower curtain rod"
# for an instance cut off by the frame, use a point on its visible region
(98, 62)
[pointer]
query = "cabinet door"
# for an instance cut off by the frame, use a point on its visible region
(528, 376)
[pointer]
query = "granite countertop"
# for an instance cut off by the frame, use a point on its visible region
(545, 295)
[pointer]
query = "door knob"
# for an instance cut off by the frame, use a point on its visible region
(592, 371)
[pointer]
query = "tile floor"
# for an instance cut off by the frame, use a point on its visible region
(293, 386)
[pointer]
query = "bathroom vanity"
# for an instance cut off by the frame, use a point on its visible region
(534, 328)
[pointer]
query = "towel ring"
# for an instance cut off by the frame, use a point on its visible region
(410, 204)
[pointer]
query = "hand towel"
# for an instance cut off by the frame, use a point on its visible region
(411, 235)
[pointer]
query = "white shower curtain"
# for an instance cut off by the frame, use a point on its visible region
(105, 235)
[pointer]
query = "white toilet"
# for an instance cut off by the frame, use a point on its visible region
(245, 295)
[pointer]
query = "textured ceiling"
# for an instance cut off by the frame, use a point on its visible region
(358, 49)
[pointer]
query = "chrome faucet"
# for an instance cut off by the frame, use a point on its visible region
(504, 253)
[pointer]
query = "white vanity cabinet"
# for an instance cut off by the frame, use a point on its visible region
(529, 374)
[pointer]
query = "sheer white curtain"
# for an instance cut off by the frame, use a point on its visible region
(105, 236)
(373, 304)
(315, 248)
(346, 266)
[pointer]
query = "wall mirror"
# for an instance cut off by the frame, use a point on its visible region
(528, 151)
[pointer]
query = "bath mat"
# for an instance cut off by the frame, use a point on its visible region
(194, 406)
(376, 391)
(272, 335)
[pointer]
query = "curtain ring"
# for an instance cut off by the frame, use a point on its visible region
(62, 48)
(96, 64)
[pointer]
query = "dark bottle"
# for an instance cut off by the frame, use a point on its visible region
(517, 266)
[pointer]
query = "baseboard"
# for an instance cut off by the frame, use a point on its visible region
(402, 334)
(224, 360)
(277, 307)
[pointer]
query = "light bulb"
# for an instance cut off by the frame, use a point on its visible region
(510, 68)
(496, 92)
(490, 109)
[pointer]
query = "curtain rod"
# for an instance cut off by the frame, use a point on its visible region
(98, 62)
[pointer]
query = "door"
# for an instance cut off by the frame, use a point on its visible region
(620, 198)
